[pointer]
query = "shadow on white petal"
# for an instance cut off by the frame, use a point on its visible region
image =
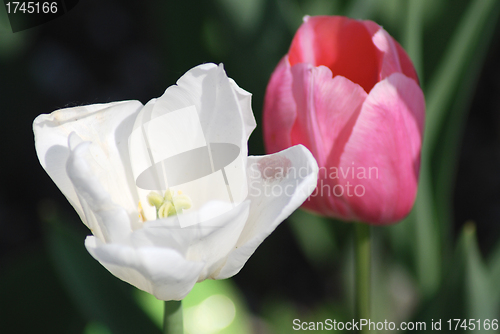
(273, 197)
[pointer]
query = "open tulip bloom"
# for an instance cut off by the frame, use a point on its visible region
(167, 189)
(349, 92)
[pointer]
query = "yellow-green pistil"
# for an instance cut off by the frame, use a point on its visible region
(169, 204)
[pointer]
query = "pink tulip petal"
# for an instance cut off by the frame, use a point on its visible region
(386, 138)
(279, 109)
(343, 45)
(406, 64)
(330, 107)
(392, 57)
(316, 98)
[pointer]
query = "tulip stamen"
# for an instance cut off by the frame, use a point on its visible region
(140, 210)
(170, 204)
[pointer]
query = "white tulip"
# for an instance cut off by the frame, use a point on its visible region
(167, 189)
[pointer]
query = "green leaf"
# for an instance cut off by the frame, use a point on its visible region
(429, 231)
(442, 86)
(466, 292)
(414, 35)
(426, 236)
(361, 9)
(480, 301)
(494, 267)
(447, 149)
(99, 295)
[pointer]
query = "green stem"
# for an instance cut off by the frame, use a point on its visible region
(172, 318)
(363, 261)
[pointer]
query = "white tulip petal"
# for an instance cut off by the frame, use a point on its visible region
(99, 209)
(208, 241)
(107, 126)
(163, 272)
(139, 158)
(213, 248)
(167, 232)
(279, 183)
(208, 88)
(245, 100)
(201, 119)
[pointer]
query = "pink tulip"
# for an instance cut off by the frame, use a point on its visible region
(349, 92)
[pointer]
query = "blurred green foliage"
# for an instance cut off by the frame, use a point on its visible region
(428, 267)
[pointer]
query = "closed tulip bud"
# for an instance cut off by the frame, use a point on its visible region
(348, 91)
